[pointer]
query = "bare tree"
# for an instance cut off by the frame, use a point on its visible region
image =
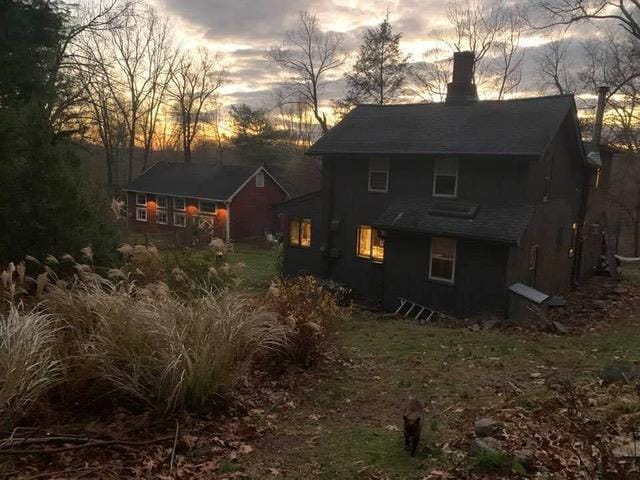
(194, 83)
(296, 118)
(160, 60)
(625, 13)
(430, 77)
(510, 55)
(309, 55)
(476, 25)
(554, 67)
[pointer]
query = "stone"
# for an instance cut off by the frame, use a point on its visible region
(484, 445)
(627, 450)
(488, 427)
(525, 458)
(620, 371)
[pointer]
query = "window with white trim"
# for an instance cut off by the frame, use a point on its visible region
(162, 217)
(179, 204)
(445, 177)
(300, 232)
(162, 202)
(442, 261)
(370, 243)
(207, 208)
(260, 179)
(141, 214)
(179, 219)
(378, 175)
(141, 199)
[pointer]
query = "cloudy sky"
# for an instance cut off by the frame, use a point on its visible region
(242, 30)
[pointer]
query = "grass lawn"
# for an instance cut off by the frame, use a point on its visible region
(260, 263)
(343, 421)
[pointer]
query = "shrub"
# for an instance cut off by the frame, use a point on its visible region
(309, 311)
(29, 365)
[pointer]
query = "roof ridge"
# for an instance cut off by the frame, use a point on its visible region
(490, 100)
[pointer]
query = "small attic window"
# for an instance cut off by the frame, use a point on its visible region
(260, 179)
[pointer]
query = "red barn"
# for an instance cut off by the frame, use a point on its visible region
(230, 202)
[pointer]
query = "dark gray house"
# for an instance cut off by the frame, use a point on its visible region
(447, 204)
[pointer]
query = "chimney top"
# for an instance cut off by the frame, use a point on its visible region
(462, 88)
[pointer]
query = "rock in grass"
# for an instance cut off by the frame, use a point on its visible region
(488, 427)
(620, 371)
(484, 446)
(525, 458)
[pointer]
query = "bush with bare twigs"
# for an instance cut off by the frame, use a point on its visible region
(309, 311)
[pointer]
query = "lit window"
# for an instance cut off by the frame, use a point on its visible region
(378, 174)
(162, 217)
(207, 208)
(547, 180)
(370, 243)
(179, 204)
(162, 202)
(141, 214)
(445, 177)
(179, 219)
(260, 179)
(443, 259)
(141, 199)
(300, 232)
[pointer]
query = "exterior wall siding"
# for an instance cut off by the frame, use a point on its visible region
(251, 209)
(479, 283)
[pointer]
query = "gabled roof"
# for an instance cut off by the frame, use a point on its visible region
(503, 224)
(490, 127)
(197, 180)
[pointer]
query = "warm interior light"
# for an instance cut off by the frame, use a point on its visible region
(192, 210)
(151, 205)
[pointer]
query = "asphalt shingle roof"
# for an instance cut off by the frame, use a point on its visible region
(518, 127)
(504, 224)
(199, 180)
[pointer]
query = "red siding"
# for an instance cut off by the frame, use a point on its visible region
(151, 225)
(251, 213)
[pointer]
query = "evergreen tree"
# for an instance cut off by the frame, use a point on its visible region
(41, 206)
(380, 70)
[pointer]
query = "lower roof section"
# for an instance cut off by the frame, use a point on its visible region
(502, 224)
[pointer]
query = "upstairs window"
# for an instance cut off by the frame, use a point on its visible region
(260, 179)
(179, 204)
(370, 243)
(445, 178)
(378, 175)
(141, 199)
(162, 202)
(300, 232)
(547, 180)
(442, 262)
(208, 208)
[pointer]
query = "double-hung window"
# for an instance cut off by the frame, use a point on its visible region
(207, 208)
(442, 262)
(379, 175)
(141, 207)
(370, 243)
(179, 204)
(445, 178)
(179, 212)
(162, 217)
(300, 232)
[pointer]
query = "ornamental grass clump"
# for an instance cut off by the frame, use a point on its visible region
(166, 354)
(29, 363)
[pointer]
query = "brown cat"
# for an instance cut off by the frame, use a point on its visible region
(412, 424)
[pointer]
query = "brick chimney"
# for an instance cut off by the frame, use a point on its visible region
(462, 89)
